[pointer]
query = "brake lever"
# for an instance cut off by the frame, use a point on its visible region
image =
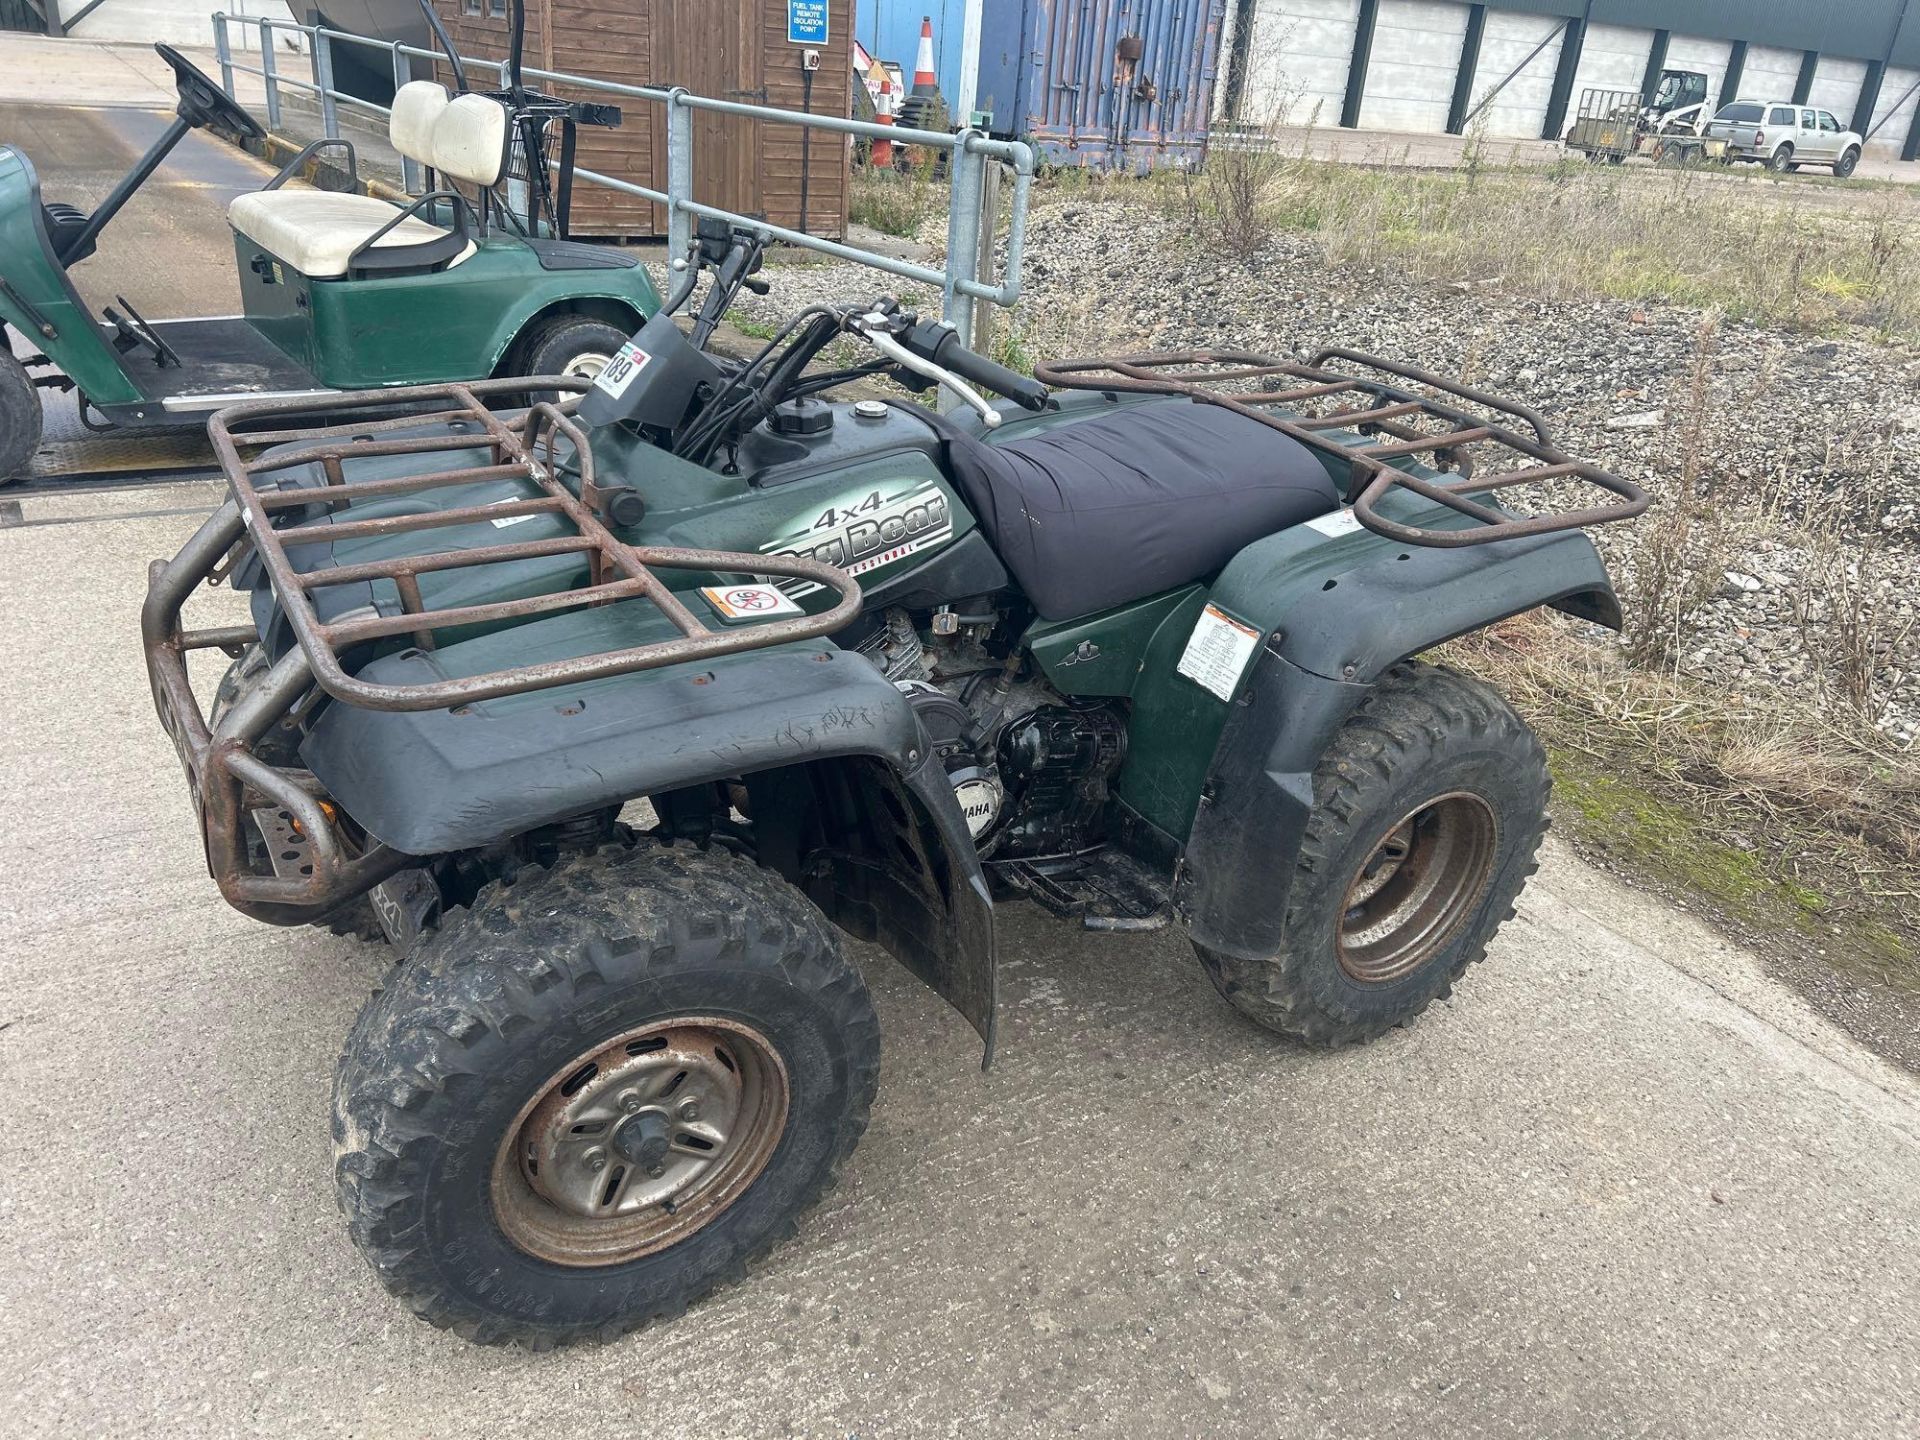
(902, 356)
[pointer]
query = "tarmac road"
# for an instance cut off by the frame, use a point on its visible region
(1623, 1184)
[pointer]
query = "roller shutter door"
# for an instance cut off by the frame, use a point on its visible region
(1416, 53)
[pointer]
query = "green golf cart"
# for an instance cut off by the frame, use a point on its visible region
(341, 290)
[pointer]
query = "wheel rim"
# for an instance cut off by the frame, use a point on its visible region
(587, 365)
(634, 1145)
(1416, 889)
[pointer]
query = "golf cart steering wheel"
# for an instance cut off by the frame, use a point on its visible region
(202, 102)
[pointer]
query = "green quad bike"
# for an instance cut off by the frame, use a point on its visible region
(341, 291)
(611, 714)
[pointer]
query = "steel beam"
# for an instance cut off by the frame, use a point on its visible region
(1468, 68)
(1736, 70)
(1357, 67)
(1571, 41)
(1656, 62)
(1803, 87)
(1869, 97)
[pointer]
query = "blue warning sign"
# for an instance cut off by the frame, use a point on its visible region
(806, 22)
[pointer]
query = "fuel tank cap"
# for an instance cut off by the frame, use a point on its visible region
(801, 417)
(869, 409)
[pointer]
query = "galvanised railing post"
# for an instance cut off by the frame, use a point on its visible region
(267, 75)
(323, 82)
(679, 175)
(413, 177)
(223, 52)
(963, 233)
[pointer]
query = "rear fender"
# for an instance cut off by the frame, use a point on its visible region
(1337, 607)
(850, 801)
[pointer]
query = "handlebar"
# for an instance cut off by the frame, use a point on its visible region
(940, 345)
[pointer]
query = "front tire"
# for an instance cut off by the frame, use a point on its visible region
(600, 1093)
(1844, 166)
(1428, 810)
(576, 345)
(20, 418)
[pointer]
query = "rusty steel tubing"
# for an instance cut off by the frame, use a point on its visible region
(616, 570)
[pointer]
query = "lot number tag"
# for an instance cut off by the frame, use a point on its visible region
(628, 361)
(1218, 650)
(749, 602)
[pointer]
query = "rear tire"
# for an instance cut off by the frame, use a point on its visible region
(469, 1181)
(1782, 160)
(1429, 807)
(20, 418)
(1844, 166)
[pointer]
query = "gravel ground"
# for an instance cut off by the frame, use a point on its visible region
(1803, 444)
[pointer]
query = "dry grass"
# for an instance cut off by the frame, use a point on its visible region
(1791, 819)
(1754, 248)
(900, 200)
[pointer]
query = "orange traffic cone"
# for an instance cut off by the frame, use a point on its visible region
(926, 84)
(882, 156)
(923, 109)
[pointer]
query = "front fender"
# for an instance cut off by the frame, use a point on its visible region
(1339, 606)
(431, 782)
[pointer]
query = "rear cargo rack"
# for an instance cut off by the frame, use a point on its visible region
(520, 446)
(1411, 425)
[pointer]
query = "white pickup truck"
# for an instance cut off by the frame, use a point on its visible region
(1785, 136)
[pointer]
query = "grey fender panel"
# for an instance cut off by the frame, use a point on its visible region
(1236, 870)
(1347, 607)
(430, 782)
(1338, 611)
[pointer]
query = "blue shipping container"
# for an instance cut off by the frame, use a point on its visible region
(1120, 84)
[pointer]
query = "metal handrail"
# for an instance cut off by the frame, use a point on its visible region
(970, 152)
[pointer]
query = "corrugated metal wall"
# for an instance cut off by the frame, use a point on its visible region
(1113, 82)
(1106, 81)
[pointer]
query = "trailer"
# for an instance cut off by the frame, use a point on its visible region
(1613, 124)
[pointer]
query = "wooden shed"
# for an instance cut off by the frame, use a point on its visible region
(747, 50)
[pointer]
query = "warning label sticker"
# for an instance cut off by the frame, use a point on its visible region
(749, 602)
(1217, 652)
(1339, 522)
(503, 521)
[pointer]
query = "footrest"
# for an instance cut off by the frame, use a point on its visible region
(1106, 890)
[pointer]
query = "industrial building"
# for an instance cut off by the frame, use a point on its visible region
(1517, 69)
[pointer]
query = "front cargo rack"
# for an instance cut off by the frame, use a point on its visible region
(1411, 425)
(317, 862)
(519, 446)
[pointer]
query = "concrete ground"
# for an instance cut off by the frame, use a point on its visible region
(1623, 1184)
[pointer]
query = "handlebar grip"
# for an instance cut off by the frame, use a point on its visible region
(942, 346)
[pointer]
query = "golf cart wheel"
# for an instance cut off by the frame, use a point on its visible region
(1844, 166)
(576, 345)
(1782, 160)
(1428, 810)
(19, 416)
(600, 1093)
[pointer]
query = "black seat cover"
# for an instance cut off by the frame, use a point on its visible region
(1135, 501)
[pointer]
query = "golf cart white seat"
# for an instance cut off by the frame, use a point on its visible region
(324, 234)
